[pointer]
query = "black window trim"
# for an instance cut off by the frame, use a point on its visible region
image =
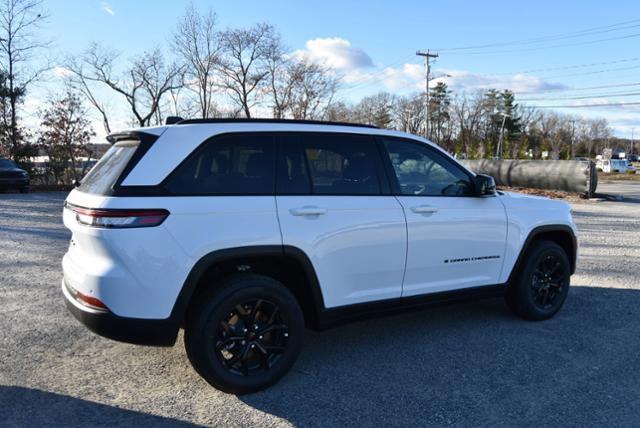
(393, 179)
(161, 189)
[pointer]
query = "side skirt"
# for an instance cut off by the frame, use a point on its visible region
(337, 316)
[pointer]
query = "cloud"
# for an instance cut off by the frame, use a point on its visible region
(461, 80)
(336, 53)
(61, 72)
(107, 8)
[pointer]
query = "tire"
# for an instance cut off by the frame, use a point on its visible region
(541, 286)
(220, 331)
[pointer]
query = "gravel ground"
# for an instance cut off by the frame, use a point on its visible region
(471, 364)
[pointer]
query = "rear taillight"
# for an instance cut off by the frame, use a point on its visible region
(86, 300)
(118, 218)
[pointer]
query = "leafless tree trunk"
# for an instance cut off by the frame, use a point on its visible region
(22, 52)
(197, 41)
(311, 90)
(243, 64)
(143, 85)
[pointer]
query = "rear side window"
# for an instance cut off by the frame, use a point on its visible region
(105, 173)
(241, 164)
(329, 164)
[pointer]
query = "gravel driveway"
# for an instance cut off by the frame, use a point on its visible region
(471, 364)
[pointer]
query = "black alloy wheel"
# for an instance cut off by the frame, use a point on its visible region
(252, 338)
(548, 280)
(541, 284)
(244, 333)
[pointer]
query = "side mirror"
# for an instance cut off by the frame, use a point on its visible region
(484, 185)
(75, 183)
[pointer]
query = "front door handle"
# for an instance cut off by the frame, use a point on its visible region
(424, 209)
(308, 211)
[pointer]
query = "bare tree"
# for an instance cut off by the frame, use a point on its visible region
(312, 88)
(469, 112)
(599, 132)
(243, 64)
(21, 49)
(143, 85)
(84, 85)
(409, 114)
(280, 81)
(197, 41)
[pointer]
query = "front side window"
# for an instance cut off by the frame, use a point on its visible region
(242, 164)
(329, 164)
(423, 171)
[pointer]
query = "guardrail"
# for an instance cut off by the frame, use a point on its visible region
(567, 175)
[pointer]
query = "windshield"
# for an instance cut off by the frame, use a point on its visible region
(6, 164)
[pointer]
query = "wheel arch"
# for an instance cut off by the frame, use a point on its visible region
(561, 234)
(287, 264)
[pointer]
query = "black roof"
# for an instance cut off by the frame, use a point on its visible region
(291, 121)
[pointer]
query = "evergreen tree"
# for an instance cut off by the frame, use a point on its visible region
(439, 113)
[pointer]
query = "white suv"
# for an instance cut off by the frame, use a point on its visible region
(244, 231)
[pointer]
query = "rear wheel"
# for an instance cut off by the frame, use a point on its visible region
(244, 334)
(542, 284)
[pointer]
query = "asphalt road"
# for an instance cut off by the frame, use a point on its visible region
(472, 364)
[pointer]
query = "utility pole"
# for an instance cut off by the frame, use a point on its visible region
(573, 133)
(632, 151)
(427, 56)
(499, 146)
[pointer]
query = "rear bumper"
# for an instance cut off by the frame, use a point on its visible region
(150, 332)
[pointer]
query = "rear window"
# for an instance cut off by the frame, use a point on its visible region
(104, 174)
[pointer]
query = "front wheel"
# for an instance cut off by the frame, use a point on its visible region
(245, 333)
(542, 284)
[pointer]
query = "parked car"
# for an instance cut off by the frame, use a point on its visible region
(633, 158)
(245, 231)
(12, 177)
(612, 165)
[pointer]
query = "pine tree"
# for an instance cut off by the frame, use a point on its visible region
(439, 112)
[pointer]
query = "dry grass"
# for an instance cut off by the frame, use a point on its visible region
(553, 194)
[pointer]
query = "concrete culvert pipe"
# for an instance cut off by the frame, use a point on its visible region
(570, 176)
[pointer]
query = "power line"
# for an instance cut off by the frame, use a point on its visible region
(586, 73)
(565, 67)
(580, 33)
(590, 42)
(585, 88)
(592, 105)
(585, 97)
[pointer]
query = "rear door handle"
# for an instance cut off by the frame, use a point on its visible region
(308, 211)
(424, 209)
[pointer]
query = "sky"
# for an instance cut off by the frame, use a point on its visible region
(549, 52)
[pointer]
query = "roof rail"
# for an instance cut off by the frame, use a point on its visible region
(261, 120)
